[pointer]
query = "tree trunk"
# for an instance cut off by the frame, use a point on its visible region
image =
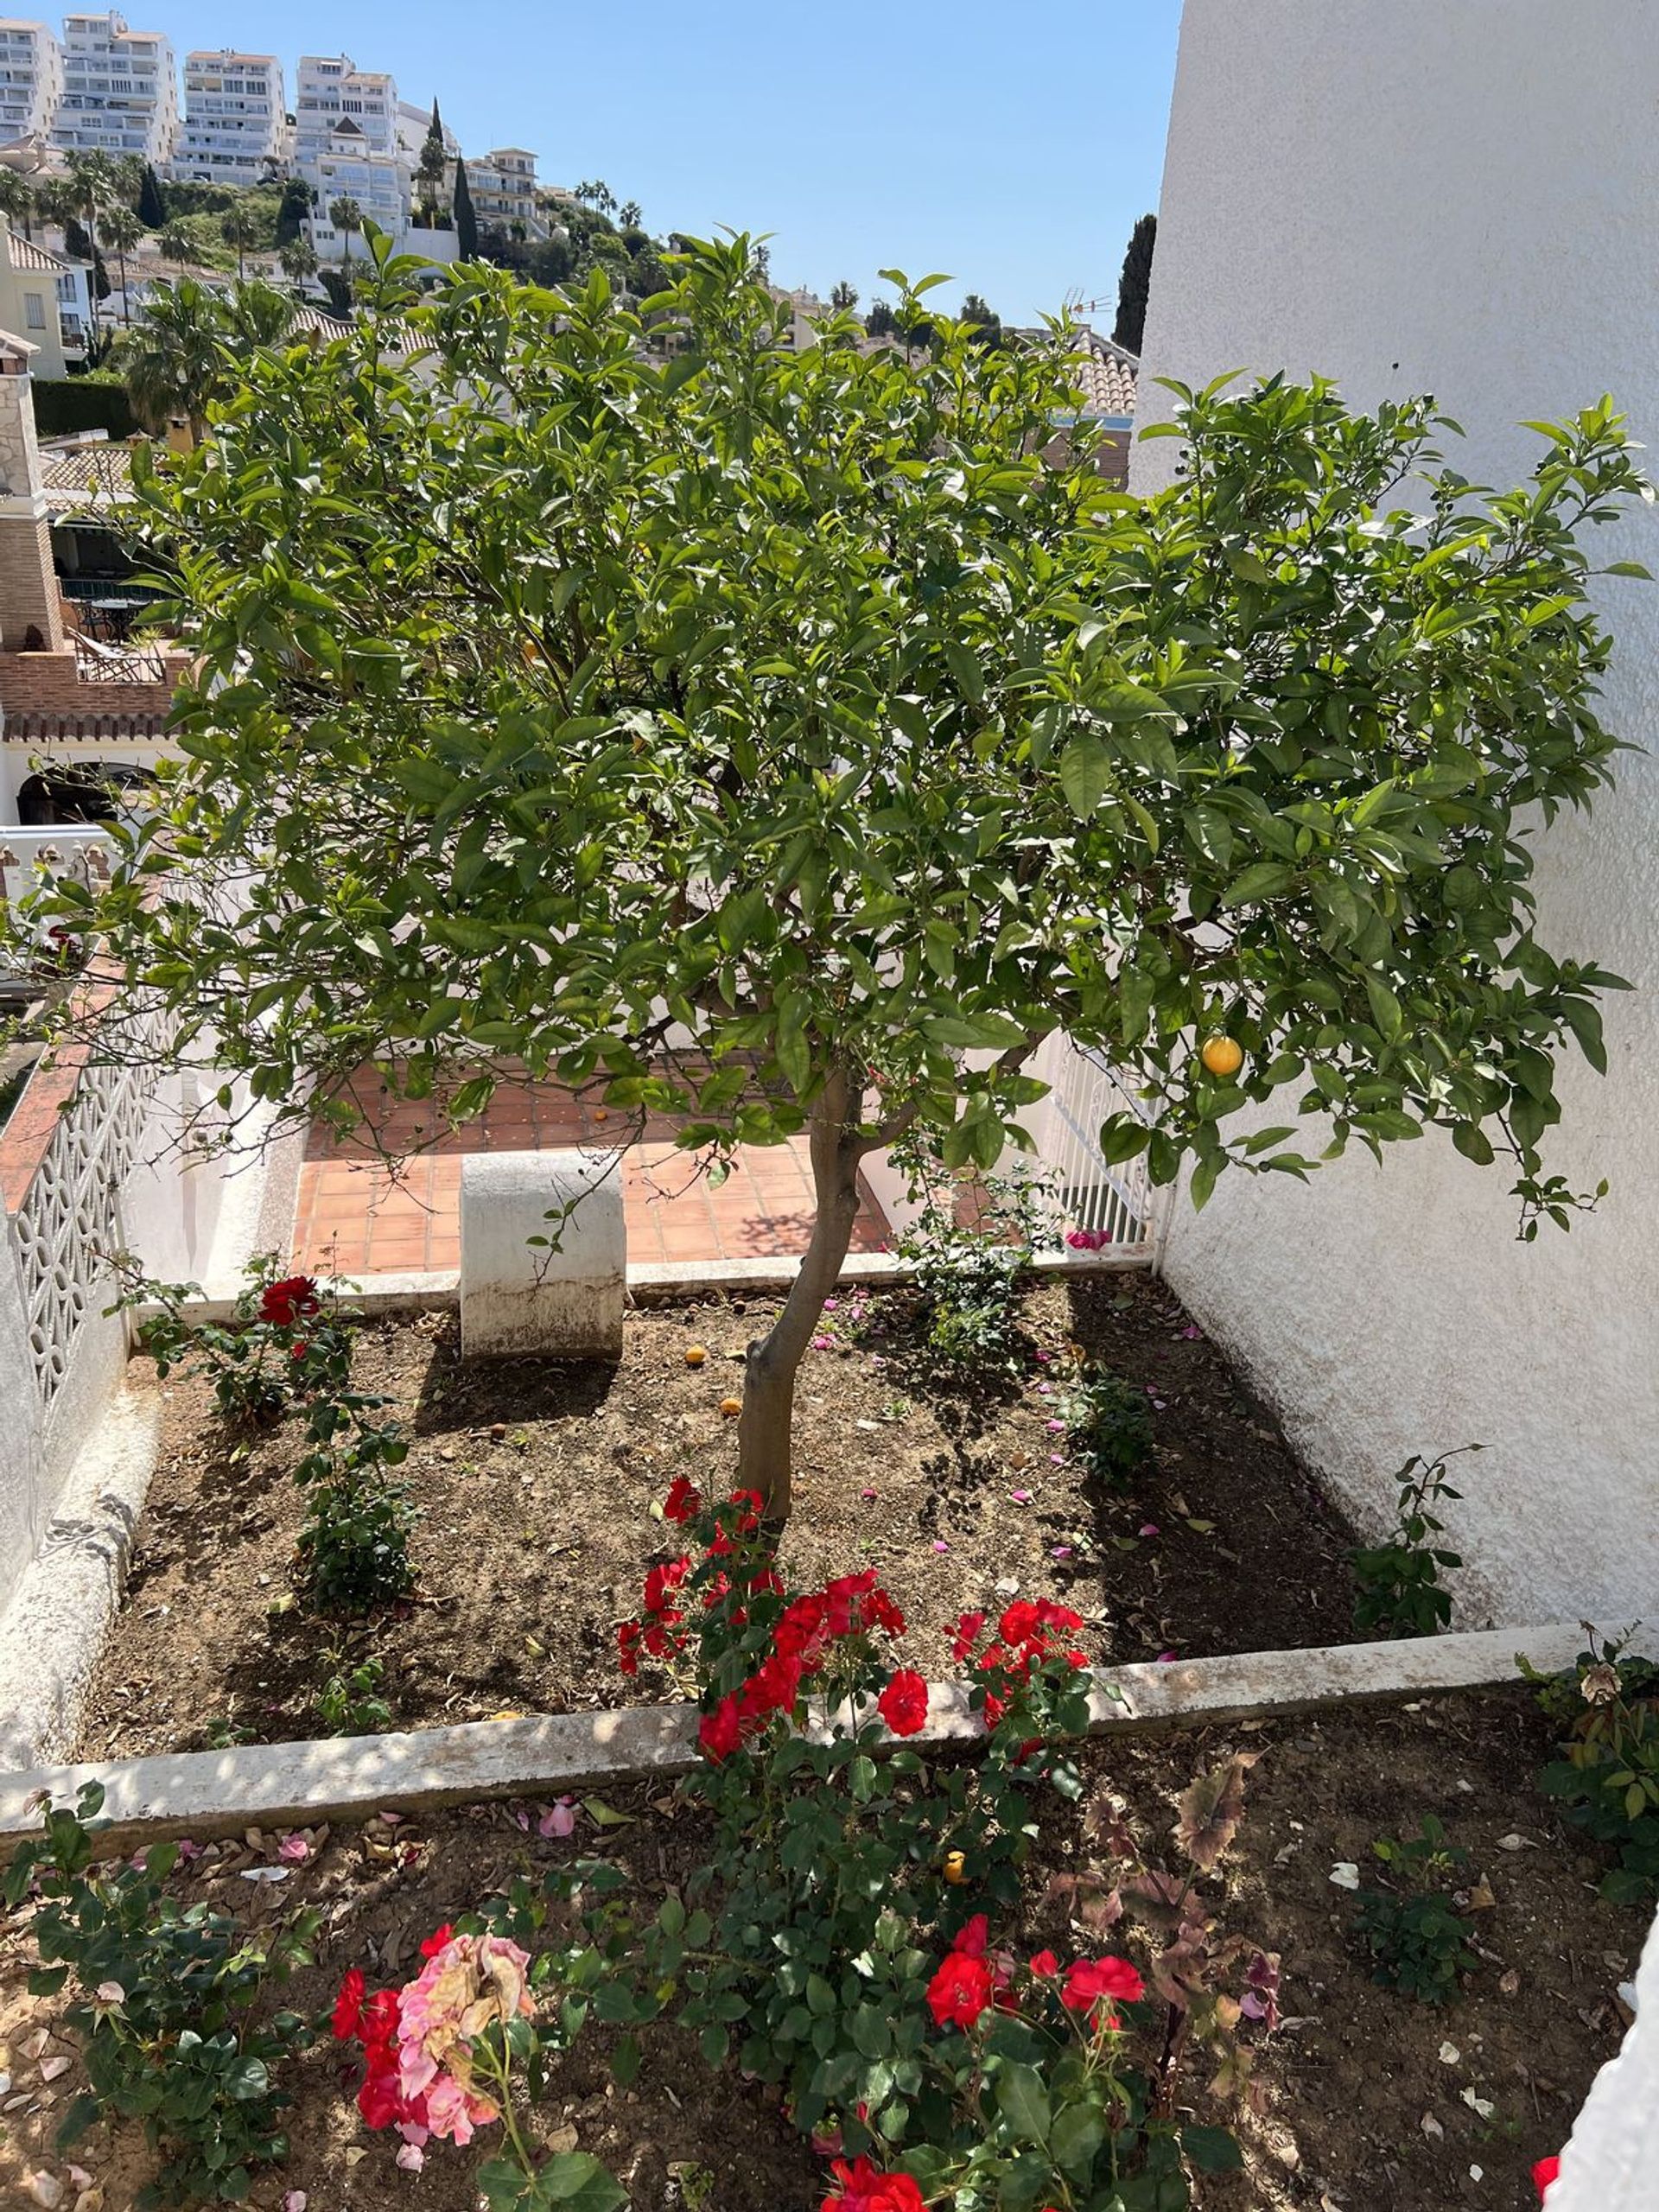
(773, 1361)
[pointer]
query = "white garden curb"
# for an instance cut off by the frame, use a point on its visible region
(204, 1794)
(652, 1282)
(52, 1632)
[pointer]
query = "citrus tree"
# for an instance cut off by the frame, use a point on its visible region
(778, 740)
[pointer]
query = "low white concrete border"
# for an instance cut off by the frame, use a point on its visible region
(652, 1282)
(52, 1632)
(204, 1794)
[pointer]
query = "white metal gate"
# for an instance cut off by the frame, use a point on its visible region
(1102, 1209)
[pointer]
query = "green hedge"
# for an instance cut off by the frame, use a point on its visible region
(63, 404)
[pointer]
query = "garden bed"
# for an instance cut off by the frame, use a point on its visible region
(536, 1481)
(1369, 2099)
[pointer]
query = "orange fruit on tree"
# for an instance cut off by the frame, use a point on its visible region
(695, 1354)
(1222, 1055)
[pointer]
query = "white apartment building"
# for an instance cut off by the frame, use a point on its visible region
(31, 80)
(235, 118)
(503, 185)
(333, 90)
(120, 90)
(379, 183)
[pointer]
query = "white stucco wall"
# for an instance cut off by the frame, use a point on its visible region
(1461, 199)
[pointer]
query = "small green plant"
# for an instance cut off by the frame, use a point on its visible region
(1606, 1778)
(968, 1245)
(286, 1342)
(1398, 1589)
(349, 1703)
(1418, 1942)
(225, 1731)
(163, 2012)
(353, 1548)
(1108, 1422)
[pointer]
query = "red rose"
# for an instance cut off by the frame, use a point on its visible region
(1546, 2170)
(1020, 1622)
(663, 1584)
(862, 2188)
(379, 2024)
(684, 1502)
(966, 1636)
(1091, 1981)
(627, 1646)
(293, 1298)
(435, 1943)
(349, 2005)
(298, 1350)
(1044, 1966)
(960, 1992)
(880, 1611)
(720, 1732)
(773, 1687)
(974, 1937)
(903, 1704)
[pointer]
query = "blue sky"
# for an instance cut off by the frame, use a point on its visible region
(1008, 143)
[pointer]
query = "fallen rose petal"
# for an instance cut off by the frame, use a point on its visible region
(1345, 1874)
(296, 2201)
(939, 1544)
(1166, 1658)
(1061, 1550)
(411, 2157)
(1020, 1496)
(1148, 1529)
(558, 1820)
(52, 2068)
(294, 1848)
(869, 1496)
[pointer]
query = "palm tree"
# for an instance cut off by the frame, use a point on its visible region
(177, 244)
(628, 215)
(299, 260)
(237, 227)
(121, 230)
(171, 358)
(258, 313)
(16, 200)
(91, 182)
(346, 215)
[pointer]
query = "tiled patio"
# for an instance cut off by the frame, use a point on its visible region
(356, 1216)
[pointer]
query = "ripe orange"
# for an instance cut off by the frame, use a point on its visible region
(956, 1868)
(1222, 1055)
(695, 1354)
(731, 1406)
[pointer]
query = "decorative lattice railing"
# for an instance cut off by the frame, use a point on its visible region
(66, 1217)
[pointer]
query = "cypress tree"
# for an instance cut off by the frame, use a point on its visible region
(292, 210)
(1134, 285)
(466, 218)
(152, 205)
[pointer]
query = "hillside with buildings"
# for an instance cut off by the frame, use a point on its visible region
(102, 87)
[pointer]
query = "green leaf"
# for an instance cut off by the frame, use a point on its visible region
(1262, 879)
(1211, 2150)
(1078, 2134)
(1086, 773)
(1023, 2101)
(575, 2178)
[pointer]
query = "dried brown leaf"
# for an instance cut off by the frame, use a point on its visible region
(1210, 1811)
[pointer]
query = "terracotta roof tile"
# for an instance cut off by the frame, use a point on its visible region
(1106, 375)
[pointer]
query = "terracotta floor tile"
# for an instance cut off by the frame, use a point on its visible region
(355, 1214)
